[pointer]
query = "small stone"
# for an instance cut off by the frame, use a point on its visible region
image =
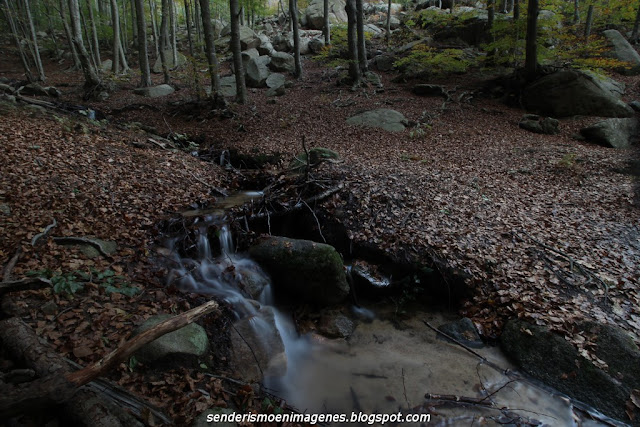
(49, 308)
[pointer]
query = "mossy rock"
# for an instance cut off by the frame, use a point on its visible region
(303, 270)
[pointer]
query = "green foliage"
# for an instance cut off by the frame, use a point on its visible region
(436, 19)
(425, 60)
(337, 54)
(73, 282)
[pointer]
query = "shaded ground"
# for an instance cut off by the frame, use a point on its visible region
(515, 211)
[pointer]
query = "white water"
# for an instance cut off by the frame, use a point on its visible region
(379, 369)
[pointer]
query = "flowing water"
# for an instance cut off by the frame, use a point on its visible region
(380, 368)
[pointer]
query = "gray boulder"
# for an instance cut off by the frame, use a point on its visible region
(281, 61)
(171, 64)
(154, 91)
(248, 55)
(616, 133)
(551, 359)
(276, 80)
(536, 124)
(283, 42)
(106, 65)
(228, 86)
(188, 343)
(248, 38)
(275, 91)
(304, 270)
(623, 51)
(373, 30)
(571, 92)
(314, 13)
(265, 47)
(316, 45)
(257, 71)
(384, 118)
(334, 324)
(256, 347)
(383, 62)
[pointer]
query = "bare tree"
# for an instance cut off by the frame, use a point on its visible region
(91, 77)
(212, 60)
(154, 26)
(388, 25)
(293, 11)
(119, 59)
(164, 24)
(241, 87)
(587, 27)
(94, 34)
(326, 28)
(362, 43)
(576, 12)
(6, 9)
(491, 13)
(34, 42)
(145, 73)
(352, 41)
(531, 44)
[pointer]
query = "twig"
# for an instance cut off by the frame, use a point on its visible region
(317, 221)
(306, 152)
(46, 231)
(404, 387)
(460, 399)
(6, 275)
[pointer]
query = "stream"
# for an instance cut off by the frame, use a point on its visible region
(383, 367)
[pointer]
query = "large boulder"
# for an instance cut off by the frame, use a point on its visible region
(623, 51)
(616, 133)
(154, 91)
(571, 92)
(265, 47)
(303, 270)
(257, 71)
(228, 86)
(171, 64)
(536, 124)
(389, 120)
(189, 343)
(551, 359)
(314, 13)
(281, 61)
(248, 38)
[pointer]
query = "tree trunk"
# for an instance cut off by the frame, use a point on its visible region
(636, 27)
(94, 34)
(531, 52)
(134, 24)
(235, 48)
(50, 30)
(197, 18)
(14, 32)
(293, 10)
(115, 18)
(67, 31)
(491, 11)
(154, 26)
(187, 17)
(587, 28)
(516, 10)
(92, 79)
(388, 25)
(87, 36)
(326, 28)
(164, 24)
(145, 73)
(362, 43)
(34, 39)
(174, 39)
(576, 12)
(209, 41)
(352, 41)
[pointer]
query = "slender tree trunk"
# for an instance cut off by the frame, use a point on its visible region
(352, 41)
(134, 23)
(94, 33)
(516, 10)
(154, 26)
(145, 73)
(491, 11)
(34, 41)
(67, 31)
(87, 36)
(6, 9)
(453, 4)
(115, 19)
(636, 27)
(174, 39)
(124, 26)
(197, 18)
(326, 28)
(164, 24)
(50, 30)
(362, 43)
(92, 79)
(388, 25)
(587, 28)
(241, 87)
(212, 60)
(576, 12)
(293, 10)
(187, 17)
(531, 53)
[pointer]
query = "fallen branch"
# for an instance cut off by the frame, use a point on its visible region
(301, 204)
(459, 399)
(82, 241)
(6, 273)
(46, 231)
(24, 285)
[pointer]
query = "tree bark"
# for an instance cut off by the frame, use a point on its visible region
(636, 27)
(212, 59)
(187, 18)
(119, 60)
(164, 24)
(14, 32)
(326, 28)
(362, 43)
(154, 26)
(388, 25)
(92, 79)
(94, 34)
(174, 39)
(576, 12)
(241, 87)
(531, 51)
(516, 10)
(293, 11)
(34, 40)
(145, 73)
(587, 28)
(352, 41)
(491, 12)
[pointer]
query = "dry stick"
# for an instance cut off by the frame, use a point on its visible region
(6, 275)
(460, 399)
(46, 231)
(98, 369)
(317, 221)
(405, 390)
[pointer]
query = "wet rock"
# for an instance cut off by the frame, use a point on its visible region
(303, 270)
(154, 91)
(551, 359)
(333, 324)
(201, 420)
(389, 120)
(635, 105)
(615, 133)
(463, 331)
(171, 64)
(571, 92)
(623, 51)
(189, 343)
(536, 124)
(256, 347)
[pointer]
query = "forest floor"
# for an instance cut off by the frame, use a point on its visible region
(513, 210)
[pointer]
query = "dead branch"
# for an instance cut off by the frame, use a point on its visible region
(6, 273)
(301, 204)
(82, 241)
(44, 233)
(459, 399)
(24, 285)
